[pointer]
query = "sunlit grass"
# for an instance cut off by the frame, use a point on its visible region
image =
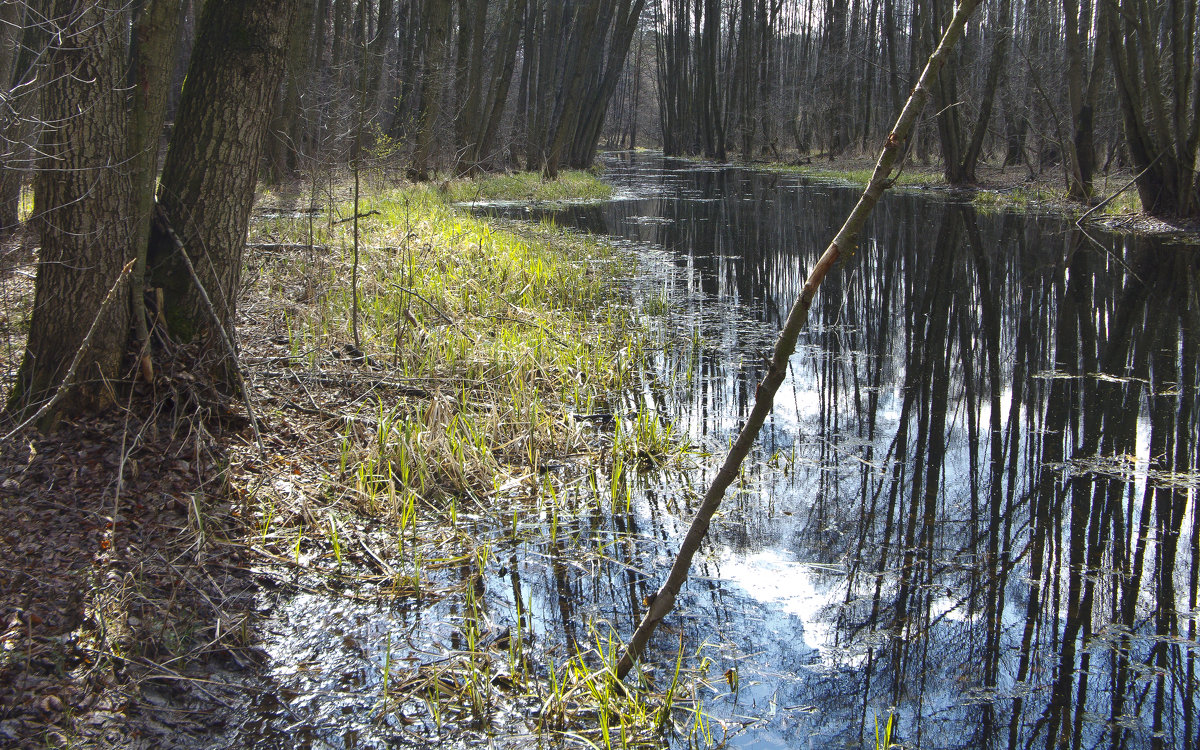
(507, 330)
(1018, 197)
(648, 440)
(858, 177)
(484, 345)
(1128, 202)
(526, 186)
(25, 206)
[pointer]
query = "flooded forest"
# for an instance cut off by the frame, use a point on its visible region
(494, 373)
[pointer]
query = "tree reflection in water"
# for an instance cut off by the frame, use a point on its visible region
(976, 499)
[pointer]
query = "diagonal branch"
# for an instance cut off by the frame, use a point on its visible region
(764, 397)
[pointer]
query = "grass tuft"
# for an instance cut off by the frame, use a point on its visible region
(570, 185)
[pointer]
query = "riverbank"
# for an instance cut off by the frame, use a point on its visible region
(1117, 206)
(410, 373)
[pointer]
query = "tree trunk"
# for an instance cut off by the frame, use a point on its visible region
(285, 143)
(436, 29)
(155, 37)
(1161, 111)
(945, 100)
(14, 132)
(595, 108)
(468, 77)
(208, 181)
(82, 209)
(1082, 94)
(502, 74)
(583, 57)
(1002, 33)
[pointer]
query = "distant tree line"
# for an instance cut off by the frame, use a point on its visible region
(239, 89)
(1077, 86)
(458, 84)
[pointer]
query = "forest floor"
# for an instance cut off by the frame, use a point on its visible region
(142, 546)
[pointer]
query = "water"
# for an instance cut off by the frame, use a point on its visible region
(973, 505)
(974, 500)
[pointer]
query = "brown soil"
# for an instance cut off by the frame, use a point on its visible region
(133, 572)
(127, 591)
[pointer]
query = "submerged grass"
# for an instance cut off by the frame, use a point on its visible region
(494, 336)
(482, 351)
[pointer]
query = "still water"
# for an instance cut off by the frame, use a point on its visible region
(972, 508)
(974, 502)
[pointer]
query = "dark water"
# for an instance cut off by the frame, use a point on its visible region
(973, 504)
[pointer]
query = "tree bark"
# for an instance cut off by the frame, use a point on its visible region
(14, 127)
(285, 144)
(437, 33)
(1002, 33)
(1161, 112)
(82, 208)
(155, 36)
(595, 108)
(1082, 92)
(502, 74)
(208, 181)
(468, 77)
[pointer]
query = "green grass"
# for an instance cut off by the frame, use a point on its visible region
(527, 186)
(499, 335)
(1019, 197)
(859, 177)
(25, 207)
(649, 441)
(507, 329)
(1126, 203)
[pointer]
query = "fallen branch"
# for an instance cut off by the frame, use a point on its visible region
(372, 212)
(1111, 198)
(664, 600)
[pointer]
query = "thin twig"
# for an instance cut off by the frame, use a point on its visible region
(435, 308)
(372, 212)
(212, 311)
(1111, 198)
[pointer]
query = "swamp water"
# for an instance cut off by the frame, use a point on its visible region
(972, 507)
